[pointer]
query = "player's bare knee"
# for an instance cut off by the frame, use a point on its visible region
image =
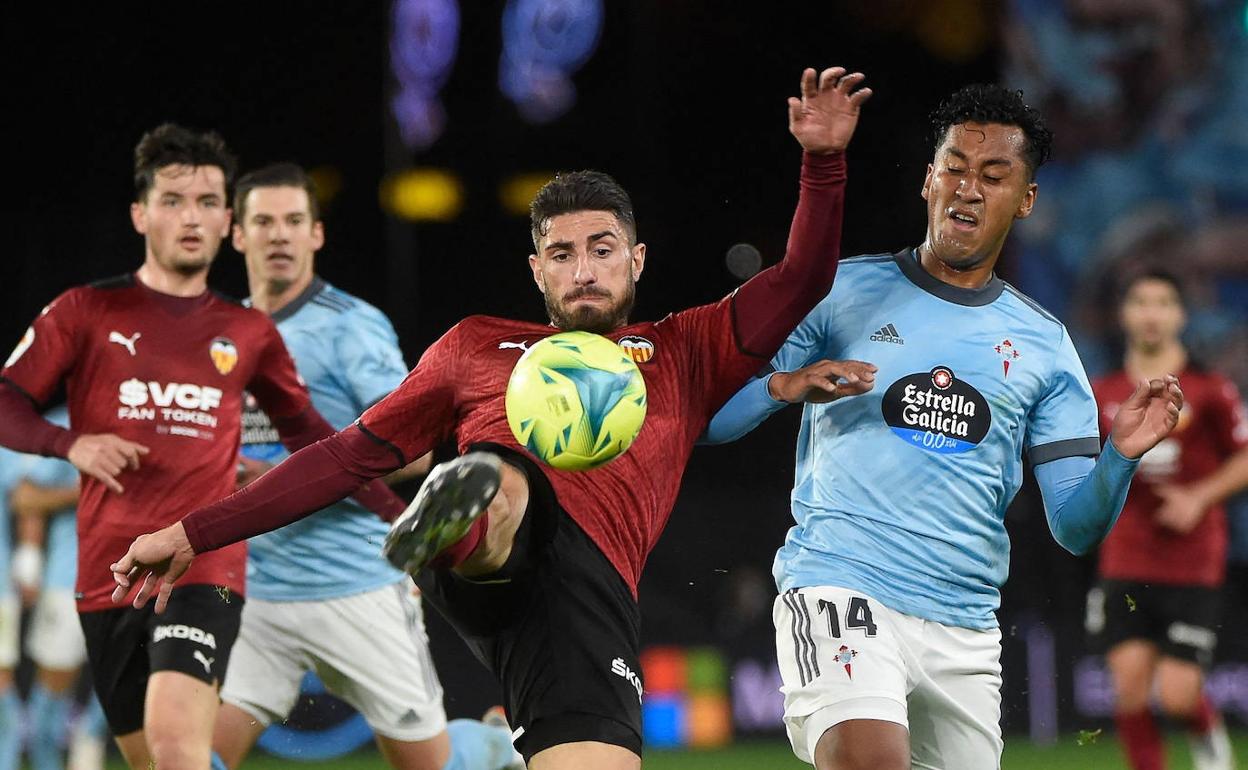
(170, 751)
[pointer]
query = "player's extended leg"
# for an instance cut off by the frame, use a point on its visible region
(178, 719)
(234, 733)
(1180, 691)
(443, 525)
(1131, 666)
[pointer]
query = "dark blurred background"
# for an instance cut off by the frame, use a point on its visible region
(423, 118)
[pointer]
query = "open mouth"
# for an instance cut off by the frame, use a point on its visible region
(963, 219)
(280, 258)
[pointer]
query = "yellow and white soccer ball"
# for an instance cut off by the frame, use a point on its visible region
(576, 400)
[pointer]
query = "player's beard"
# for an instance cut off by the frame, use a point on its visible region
(185, 264)
(588, 318)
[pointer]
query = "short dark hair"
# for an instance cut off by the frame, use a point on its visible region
(990, 103)
(275, 175)
(1151, 273)
(581, 191)
(172, 145)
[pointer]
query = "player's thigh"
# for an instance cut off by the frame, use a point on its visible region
(10, 632)
(55, 640)
(842, 657)
(1190, 616)
(955, 709)
(1179, 685)
(178, 718)
(116, 643)
(863, 744)
(584, 754)
(268, 660)
(234, 732)
(430, 753)
(371, 650)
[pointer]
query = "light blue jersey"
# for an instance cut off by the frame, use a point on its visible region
(347, 352)
(61, 538)
(901, 493)
(10, 473)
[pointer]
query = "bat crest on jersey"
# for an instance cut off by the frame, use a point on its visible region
(224, 354)
(637, 348)
(936, 412)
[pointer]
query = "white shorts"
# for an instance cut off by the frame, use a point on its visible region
(369, 649)
(10, 633)
(844, 656)
(55, 639)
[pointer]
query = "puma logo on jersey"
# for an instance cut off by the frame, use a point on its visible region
(204, 660)
(125, 342)
(514, 345)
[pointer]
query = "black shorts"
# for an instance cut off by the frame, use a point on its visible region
(1183, 621)
(193, 635)
(558, 626)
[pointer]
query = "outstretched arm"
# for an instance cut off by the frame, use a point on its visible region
(823, 120)
(819, 383)
(1082, 498)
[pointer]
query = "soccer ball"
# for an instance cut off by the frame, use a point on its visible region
(576, 400)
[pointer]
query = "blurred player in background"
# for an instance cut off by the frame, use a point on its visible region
(45, 561)
(544, 586)
(44, 503)
(155, 366)
(320, 597)
(10, 615)
(1156, 608)
(886, 624)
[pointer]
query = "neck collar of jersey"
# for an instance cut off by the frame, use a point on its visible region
(908, 261)
(314, 288)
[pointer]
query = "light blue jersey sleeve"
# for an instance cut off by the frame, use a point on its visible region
(746, 410)
(1063, 423)
(371, 361)
(1083, 498)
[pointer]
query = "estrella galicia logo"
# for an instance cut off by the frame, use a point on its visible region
(936, 411)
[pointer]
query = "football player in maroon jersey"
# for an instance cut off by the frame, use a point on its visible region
(544, 586)
(155, 366)
(1156, 607)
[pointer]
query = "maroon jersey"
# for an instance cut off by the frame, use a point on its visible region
(166, 372)
(1212, 426)
(693, 367)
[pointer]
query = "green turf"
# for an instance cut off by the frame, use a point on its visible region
(1103, 754)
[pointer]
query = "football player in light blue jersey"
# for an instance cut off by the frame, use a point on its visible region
(43, 496)
(10, 610)
(886, 629)
(320, 596)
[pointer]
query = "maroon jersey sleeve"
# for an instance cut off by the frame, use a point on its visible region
(421, 413)
(276, 384)
(47, 351)
(1230, 420)
(768, 307)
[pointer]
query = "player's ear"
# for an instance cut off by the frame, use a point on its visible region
(927, 182)
(138, 218)
(536, 267)
(318, 235)
(237, 240)
(638, 260)
(1029, 201)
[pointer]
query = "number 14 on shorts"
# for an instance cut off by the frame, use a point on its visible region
(844, 617)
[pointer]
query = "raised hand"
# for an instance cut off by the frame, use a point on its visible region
(104, 456)
(824, 118)
(1181, 509)
(159, 558)
(822, 381)
(1147, 416)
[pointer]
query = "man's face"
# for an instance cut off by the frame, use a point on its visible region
(278, 236)
(1152, 314)
(587, 268)
(975, 189)
(184, 217)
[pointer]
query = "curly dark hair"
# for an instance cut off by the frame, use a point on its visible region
(581, 191)
(172, 145)
(990, 103)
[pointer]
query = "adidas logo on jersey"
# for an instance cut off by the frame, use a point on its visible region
(888, 333)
